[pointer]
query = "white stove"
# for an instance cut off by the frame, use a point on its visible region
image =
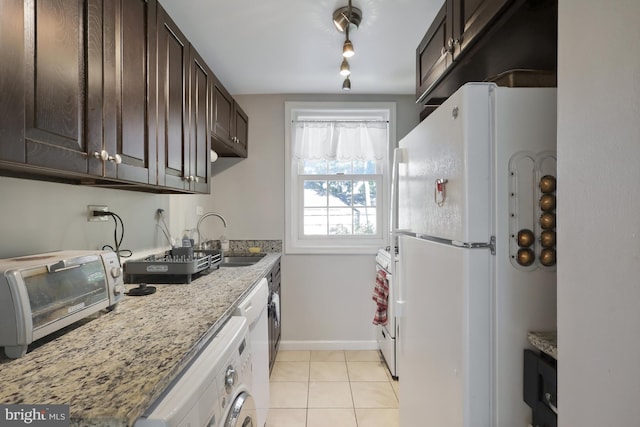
(387, 334)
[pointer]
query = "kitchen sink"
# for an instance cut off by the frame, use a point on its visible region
(241, 260)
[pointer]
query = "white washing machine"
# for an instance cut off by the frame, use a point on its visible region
(214, 390)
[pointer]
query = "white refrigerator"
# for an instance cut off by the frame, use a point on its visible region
(468, 184)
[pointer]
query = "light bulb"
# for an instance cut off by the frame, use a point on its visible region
(345, 70)
(346, 85)
(347, 49)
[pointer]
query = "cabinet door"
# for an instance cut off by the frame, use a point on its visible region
(432, 55)
(222, 114)
(12, 145)
(130, 123)
(63, 84)
(199, 135)
(241, 127)
(470, 18)
(230, 125)
(173, 131)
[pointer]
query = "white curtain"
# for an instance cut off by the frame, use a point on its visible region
(340, 140)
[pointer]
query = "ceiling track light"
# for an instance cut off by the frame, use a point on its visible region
(347, 49)
(346, 19)
(345, 70)
(346, 85)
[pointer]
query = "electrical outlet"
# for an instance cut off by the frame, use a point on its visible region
(91, 208)
(199, 210)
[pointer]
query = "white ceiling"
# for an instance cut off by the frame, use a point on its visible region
(291, 46)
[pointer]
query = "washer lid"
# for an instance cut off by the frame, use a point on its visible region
(243, 412)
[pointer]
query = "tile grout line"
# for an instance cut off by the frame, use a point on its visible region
(306, 412)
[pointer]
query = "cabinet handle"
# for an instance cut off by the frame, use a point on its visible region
(117, 159)
(547, 399)
(450, 45)
(102, 155)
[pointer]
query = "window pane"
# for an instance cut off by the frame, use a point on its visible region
(313, 167)
(315, 221)
(365, 221)
(364, 193)
(340, 193)
(315, 193)
(339, 167)
(364, 167)
(340, 221)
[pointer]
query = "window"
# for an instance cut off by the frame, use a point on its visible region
(337, 159)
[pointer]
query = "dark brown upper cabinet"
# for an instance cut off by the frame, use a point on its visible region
(200, 83)
(469, 19)
(184, 82)
(108, 93)
(477, 40)
(455, 27)
(230, 124)
(172, 110)
(130, 127)
(63, 86)
(432, 55)
(12, 82)
(79, 90)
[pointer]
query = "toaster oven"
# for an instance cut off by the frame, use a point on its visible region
(40, 294)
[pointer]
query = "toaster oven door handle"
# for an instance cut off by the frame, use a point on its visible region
(67, 264)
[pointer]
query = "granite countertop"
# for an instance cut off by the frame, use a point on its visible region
(111, 369)
(546, 342)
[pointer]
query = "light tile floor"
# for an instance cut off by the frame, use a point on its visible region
(332, 389)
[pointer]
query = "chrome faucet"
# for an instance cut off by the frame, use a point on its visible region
(208, 214)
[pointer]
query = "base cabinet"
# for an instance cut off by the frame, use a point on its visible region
(541, 388)
(274, 313)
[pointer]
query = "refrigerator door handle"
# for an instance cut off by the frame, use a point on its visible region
(399, 156)
(467, 245)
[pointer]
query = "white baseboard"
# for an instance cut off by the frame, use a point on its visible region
(329, 345)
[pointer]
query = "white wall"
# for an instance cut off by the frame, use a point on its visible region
(326, 299)
(599, 213)
(37, 216)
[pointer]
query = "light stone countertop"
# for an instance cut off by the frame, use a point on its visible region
(111, 369)
(546, 342)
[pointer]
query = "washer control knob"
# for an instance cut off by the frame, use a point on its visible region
(230, 378)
